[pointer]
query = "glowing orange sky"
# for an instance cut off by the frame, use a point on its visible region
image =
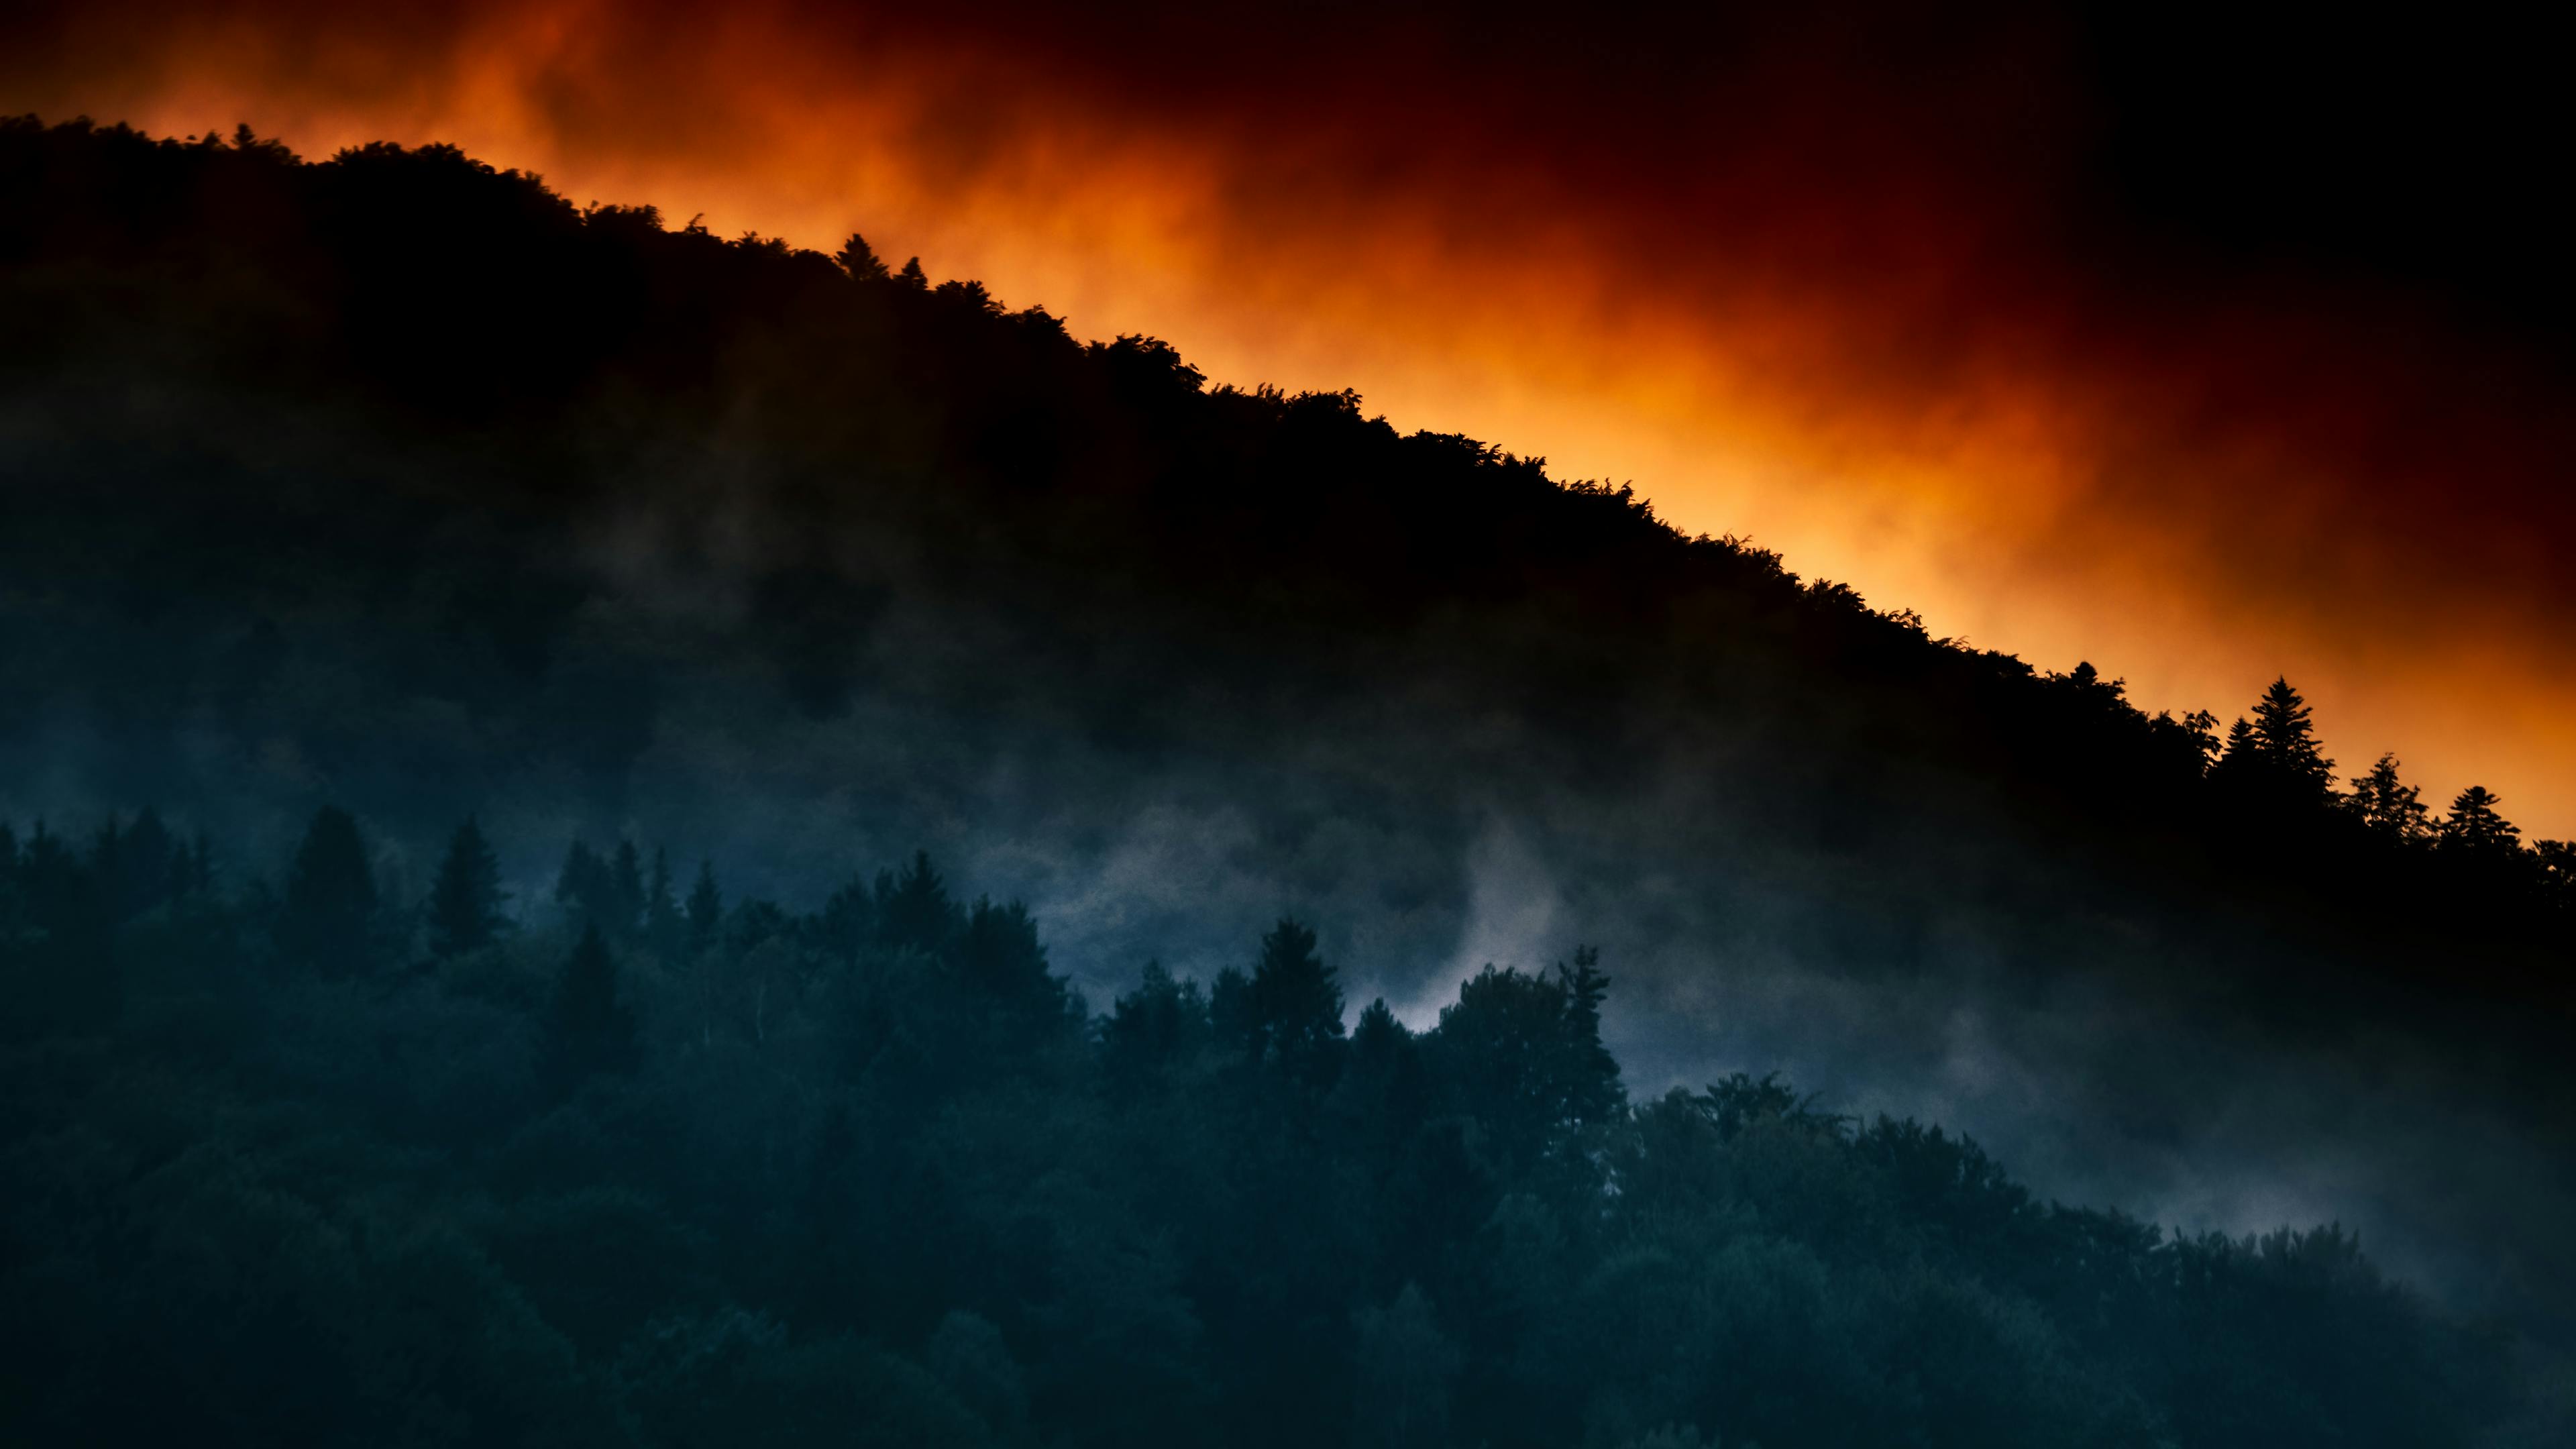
(2039, 481)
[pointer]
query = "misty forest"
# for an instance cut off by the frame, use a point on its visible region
(615, 835)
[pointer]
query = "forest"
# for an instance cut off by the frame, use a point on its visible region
(294, 1161)
(388, 521)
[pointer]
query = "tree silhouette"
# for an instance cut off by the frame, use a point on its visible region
(859, 261)
(1406, 1369)
(581, 883)
(138, 866)
(999, 958)
(2390, 808)
(1153, 1029)
(705, 913)
(2557, 862)
(626, 892)
(2234, 763)
(327, 919)
(663, 923)
(1291, 1007)
(913, 910)
(465, 900)
(1525, 1054)
(2284, 740)
(588, 1029)
(1383, 1091)
(2474, 827)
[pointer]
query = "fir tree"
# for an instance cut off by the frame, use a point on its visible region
(465, 901)
(2285, 741)
(913, 910)
(662, 921)
(999, 955)
(330, 906)
(861, 262)
(705, 909)
(588, 1030)
(1295, 1004)
(581, 886)
(624, 906)
(2388, 806)
(2475, 827)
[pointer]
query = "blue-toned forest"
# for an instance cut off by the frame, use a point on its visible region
(375, 531)
(294, 1163)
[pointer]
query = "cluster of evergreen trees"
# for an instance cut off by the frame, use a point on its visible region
(535, 366)
(407, 478)
(2276, 754)
(315, 1164)
(2272, 762)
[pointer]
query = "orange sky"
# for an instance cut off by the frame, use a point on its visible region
(1866, 351)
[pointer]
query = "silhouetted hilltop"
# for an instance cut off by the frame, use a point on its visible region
(402, 483)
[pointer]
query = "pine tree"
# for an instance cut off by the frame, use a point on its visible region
(465, 901)
(330, 904)
(624, 906)
(1000, 958)
(2475, 828)
(1381, 1094)
(2284, 739)
(2391, 808)
(1404, 1374)
(706, 908)
(2236, 761)
(1295, 1003)
(133, 864)
(913, 910)
(1591, 1073)
(587, 1029)
(581, 886)
(859, 260)
(1150, 1030)
(662, 922)
(1230, 1018)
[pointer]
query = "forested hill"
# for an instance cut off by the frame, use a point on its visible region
(306, 1165)
(769, 415)
(401, 484)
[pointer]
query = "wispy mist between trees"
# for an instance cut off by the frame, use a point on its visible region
(306, 1162)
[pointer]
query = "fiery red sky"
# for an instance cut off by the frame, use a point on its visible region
(1910, 301)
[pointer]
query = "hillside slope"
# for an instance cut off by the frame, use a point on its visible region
(396, 482)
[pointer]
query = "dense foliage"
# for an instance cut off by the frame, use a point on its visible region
(299, 1163)
(542, 393)
(396, 483)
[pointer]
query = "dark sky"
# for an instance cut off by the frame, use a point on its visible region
(2199, 346)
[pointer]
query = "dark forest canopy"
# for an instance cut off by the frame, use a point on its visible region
(401, 486)
(541, 350)
(289, 1161)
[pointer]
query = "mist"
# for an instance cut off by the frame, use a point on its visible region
(399, 485)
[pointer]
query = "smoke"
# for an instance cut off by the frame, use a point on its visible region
(1927, 305)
